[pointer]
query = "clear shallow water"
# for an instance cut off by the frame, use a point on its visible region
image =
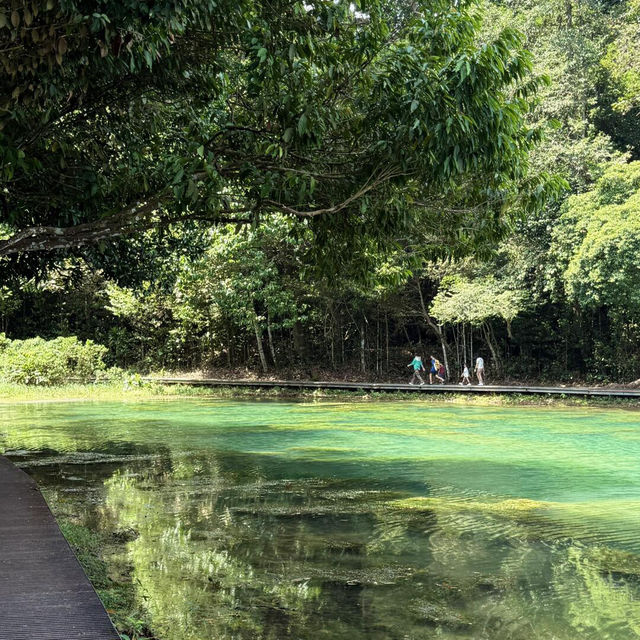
(391, 520)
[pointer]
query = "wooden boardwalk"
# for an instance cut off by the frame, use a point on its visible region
(391, 387)
(44, 593)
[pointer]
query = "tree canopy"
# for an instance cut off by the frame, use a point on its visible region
(598, 240)
(346, 116)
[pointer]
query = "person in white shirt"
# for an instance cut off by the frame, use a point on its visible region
(466, 379)
(479, 370)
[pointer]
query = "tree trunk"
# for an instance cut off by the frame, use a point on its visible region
(406, 335)
(494, 354)
(377, 344)
(464, 346)
(271, 348)
(333, 347)
(298, 342)
(363, 361)
(434, 327)
(263, 360)
(509, 331)
(444, 351)
(386, 325)
(495, 347)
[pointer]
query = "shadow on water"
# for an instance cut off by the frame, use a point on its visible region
(240, 520)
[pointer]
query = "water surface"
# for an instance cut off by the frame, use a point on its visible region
(405, 520)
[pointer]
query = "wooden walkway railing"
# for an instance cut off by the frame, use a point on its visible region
(44, 593)
(391, 387)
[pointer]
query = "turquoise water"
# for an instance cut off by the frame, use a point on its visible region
(351, 520)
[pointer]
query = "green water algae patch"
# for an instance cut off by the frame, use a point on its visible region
(553, 522)
(613, 561)
(503, 507)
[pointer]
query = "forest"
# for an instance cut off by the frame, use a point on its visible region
(320, 189)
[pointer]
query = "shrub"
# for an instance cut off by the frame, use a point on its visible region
(43, 362)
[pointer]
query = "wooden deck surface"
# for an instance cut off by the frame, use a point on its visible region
(44, 593)
(390, 387)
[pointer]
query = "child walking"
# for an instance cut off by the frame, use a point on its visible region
(466, 377)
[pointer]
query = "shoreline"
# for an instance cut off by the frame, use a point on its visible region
(117, 392)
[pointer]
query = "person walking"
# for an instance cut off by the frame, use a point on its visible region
(479, 370)
(417, 365)
(435, 370)
(466, 378)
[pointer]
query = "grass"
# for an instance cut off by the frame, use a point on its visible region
(111, 391)
(142, 390)
(117, 593)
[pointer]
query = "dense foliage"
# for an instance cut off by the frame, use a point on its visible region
(347, 120)
(38, 361)
(325, 187)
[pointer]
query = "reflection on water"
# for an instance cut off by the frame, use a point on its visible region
(378, 521)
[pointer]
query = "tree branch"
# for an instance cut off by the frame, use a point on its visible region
(371, 183)
(140, 217)
(135, 218)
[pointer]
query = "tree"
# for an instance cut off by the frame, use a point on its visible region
(241, 283)
(8, 304)
(595, 245)
(473, 303)
(622, 60)
(598, 240)
(344, 116)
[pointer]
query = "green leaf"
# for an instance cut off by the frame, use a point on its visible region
(178, 176)
(302, 124)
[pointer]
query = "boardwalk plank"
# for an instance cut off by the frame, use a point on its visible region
(391, 387)
(44, 593)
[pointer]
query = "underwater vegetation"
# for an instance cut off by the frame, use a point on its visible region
(213, 520)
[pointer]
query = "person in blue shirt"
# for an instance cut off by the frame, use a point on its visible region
(417, 365)
(436, 370)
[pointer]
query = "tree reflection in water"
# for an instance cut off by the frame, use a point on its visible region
(223, 554)
(382, 527)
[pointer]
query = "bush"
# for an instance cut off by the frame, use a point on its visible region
(44, 362)
(110, 375)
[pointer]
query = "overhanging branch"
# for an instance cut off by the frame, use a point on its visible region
(143, 215)
(136, 217)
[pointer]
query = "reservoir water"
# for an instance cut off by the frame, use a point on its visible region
(389, 520)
